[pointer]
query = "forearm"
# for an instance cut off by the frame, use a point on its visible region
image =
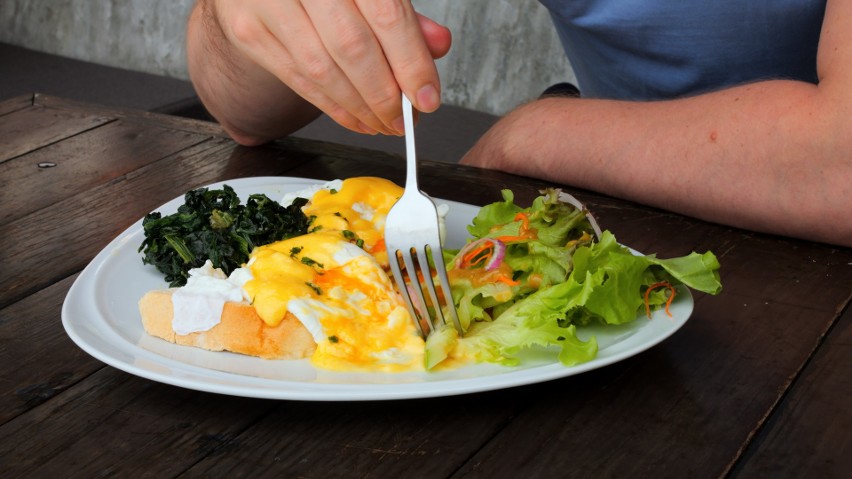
(771, 156)
(251, 104)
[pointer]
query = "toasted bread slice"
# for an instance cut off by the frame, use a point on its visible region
(240, 331)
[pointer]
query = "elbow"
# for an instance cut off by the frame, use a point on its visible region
(243, 137)
(261, 131)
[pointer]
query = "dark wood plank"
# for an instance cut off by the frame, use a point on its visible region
(108, 209)
(126, 426)
(154, 119)
(118, 425)
(28, 129)
(38, 360)
(809, 435)
(62, 170)
(412, 439)
(14, 104)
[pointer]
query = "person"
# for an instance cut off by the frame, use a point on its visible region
(666, 117)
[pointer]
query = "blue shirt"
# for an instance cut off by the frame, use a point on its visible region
(655, 49)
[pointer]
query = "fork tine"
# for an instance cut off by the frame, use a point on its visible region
(414, 284)
(417, 305)
(423, 261)
(393, 259)
(438, 259)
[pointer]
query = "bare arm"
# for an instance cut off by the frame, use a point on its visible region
(249, 102)
(772, 156)
(264, 69)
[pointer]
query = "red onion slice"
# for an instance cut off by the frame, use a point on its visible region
(567, 198)
(494, 261)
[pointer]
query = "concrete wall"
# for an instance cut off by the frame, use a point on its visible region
(504, 52)
(144, 35)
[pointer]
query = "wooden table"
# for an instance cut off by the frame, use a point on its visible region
(758, 383)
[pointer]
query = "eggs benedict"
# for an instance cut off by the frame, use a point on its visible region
(330, 284)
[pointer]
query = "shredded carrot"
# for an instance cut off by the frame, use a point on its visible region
(661, 284)
(507, 280)
(524, 231)
(509, 239)
(379, 246)
(475, 256)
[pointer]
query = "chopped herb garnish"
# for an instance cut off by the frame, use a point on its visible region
(295, 250)
(352, 236)
(310, 262)
(332, 339)
(332, 191)
(314, 287)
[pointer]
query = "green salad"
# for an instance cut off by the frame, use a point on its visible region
(532, 276)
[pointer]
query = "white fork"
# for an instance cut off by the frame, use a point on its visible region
(411, 230)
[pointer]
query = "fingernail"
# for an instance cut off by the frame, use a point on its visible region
(399, 125)
(428, 98)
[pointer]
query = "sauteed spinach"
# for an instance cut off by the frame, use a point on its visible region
(212, 224)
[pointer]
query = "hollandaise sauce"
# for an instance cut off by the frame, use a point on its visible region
(359, 207)
(338, 290)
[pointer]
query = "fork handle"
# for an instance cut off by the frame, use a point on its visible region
(410, 150)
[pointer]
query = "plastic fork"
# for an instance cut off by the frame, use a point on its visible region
(411, 231)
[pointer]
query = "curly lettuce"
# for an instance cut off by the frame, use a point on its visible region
(555, 277)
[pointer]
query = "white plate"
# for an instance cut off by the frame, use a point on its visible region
(100, 314)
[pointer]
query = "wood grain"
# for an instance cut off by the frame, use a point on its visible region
(26, 130)
(62, 170)
(754, 385)
(141, 117)
(119, 425)
(809, 435)
(16, 103)
(37, 360)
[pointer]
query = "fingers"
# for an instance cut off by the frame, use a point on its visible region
(379, 46)
(350, 58)
(281, 39)
(354, 51)
(397, 28)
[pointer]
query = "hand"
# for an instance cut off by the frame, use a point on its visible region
(349, 58)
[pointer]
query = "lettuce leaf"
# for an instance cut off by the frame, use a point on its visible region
(577, 281)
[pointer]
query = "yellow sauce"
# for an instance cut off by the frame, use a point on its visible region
(365, 325)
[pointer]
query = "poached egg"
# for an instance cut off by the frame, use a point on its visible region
(333, 279)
